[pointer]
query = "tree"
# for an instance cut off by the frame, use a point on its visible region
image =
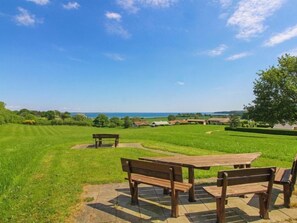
(276, 93)
(80, 117)
(50, 115)
(171, 117)
(101, 120)
(234, 121)
(127, 122)
(65, 115)
(115, 121)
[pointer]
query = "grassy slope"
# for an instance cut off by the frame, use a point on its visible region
(41, 178)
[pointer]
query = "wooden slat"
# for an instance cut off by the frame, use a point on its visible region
(244, 180)
(106, 136)
(282, 176)
(184, 187)
(245, 172)
(152, 169)
(207, 161)
(234, 191)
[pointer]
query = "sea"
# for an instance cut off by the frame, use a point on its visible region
(139, 114)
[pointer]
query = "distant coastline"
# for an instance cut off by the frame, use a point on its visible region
(142, 114)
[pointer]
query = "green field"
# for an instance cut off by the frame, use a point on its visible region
(41, 178)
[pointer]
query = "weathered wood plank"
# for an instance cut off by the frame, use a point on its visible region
(207, 161)
(234, 191)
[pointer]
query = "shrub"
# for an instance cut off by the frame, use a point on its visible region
(57, 122)
(234, 121)
(2, 120)
(101, 121)
(127, 122)
(112, 125)
(29, 122)
(264, 131)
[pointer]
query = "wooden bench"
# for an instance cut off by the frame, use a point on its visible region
(287, 178)
(235, 183)
(155, 174)
(98, 139)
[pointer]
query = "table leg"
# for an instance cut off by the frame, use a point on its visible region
(191, 181)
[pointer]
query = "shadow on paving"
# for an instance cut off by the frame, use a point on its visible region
(112, 203)
(233, 215)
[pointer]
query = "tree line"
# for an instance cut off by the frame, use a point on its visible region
(55, 117)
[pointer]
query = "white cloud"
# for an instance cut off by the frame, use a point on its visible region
(217, 51)
(113, 16)
(39, 2)
(180, 83)
(157, 3)
(25, 18)
(289, 33)
(133, 6)
(128, 5)
(117, 29)
(115, 56)
(238, 56)
(71, 5)
(225, 3)
(113, 25)
(292, 52)
(250, 16)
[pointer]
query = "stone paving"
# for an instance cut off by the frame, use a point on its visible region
(111, 203)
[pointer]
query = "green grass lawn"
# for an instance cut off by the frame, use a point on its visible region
(41, 178)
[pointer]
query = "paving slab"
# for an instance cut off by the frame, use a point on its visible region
(112, 203)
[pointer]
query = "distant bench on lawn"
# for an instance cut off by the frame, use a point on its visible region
(99, 137)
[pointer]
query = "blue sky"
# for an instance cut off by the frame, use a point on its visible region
(139, 55)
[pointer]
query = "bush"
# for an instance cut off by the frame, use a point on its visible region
(2, 120)
(112, 125)
(29, 122)
(127, 122)
(234, 121)
(57, 122)
(264, 131)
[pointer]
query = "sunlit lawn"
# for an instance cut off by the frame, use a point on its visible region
(41, 178)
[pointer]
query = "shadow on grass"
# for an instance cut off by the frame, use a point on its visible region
(246, 136)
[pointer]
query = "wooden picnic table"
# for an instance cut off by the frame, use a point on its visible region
(241, 160)
(99, 137)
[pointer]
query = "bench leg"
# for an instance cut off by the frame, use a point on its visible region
(96, 143)
(134, 193)
(100, 142)
(191, 181)
(264, 206)
(174, 204)
(116, 143)
(166, 191)
(220, 210)
(287, 195)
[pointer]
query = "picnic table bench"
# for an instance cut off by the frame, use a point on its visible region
(155, 174)
(99, 137)
(234, 183)
(287, 178)
(241, 160)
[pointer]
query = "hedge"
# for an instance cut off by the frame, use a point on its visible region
(264, 131)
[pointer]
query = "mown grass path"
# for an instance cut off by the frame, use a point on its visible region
(41, 178)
